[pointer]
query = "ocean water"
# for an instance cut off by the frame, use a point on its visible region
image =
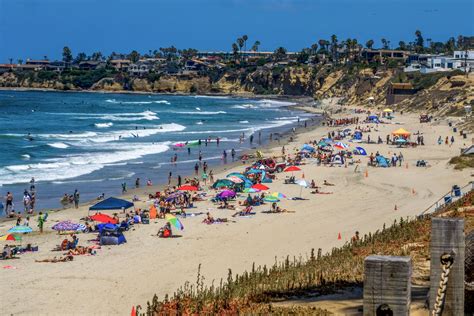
(93, 142)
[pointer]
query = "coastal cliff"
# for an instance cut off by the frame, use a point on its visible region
(443, 93)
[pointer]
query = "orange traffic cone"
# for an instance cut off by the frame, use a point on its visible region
(339, 237)
(395, 207)
(133, 313)
(366, 173)
(406, 165)
(413, 191)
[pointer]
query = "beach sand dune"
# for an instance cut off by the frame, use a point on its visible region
(121, 276)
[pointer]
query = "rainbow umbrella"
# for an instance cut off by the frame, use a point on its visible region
(11, 237)
(174, 221)
(271, 199)
(278, 195)
(20, 229)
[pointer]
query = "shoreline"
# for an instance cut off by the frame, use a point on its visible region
(284, 139)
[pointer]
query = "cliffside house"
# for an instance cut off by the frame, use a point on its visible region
(91, 64)
(57, 66)
(120, 64)
(399, 91)
(427, 63)
(195, 65)
(39, 64)
(379, 55)
(140, 68)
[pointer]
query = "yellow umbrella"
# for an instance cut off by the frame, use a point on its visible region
(387, 110)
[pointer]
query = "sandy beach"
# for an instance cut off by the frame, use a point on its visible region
(118, 277)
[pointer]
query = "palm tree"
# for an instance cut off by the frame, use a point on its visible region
(314, 49)
(369, 44)
(255, 46)
(245, 38)
(334, 47)
(384, 43)
(235, 50)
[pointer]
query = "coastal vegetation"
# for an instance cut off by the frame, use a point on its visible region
(328, 68)
(317, 275)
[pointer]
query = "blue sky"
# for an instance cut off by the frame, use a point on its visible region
(37, 28)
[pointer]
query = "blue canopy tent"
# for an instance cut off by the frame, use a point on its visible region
(360, 151)
(382, 161)
(308, 148)
(111, 204)
(374, 118)
(110, 234)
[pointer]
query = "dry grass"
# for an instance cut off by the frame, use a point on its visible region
(253, 291)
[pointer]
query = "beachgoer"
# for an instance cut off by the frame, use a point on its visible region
(232, 153)
(124, 187)
(137, 183)
(76, 198)
(251, 139)
(196, 169)
(40, 222)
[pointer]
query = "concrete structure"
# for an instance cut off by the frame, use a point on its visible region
(387, 284)
(426, 63)
(140, 68)
(399, 91)
(379, 55)
(447, 235)
(120, 64)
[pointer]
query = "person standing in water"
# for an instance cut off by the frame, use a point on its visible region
(76, 198)
(232, 153)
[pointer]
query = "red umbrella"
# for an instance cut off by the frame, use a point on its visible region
(103, 218)
(260, 186)
(187, 188)
(292, 168)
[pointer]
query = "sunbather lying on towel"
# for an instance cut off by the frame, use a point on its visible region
(211, 220)
(80, 250)
(316, 191)
(245, 212)
(60, 259)
(327, 183)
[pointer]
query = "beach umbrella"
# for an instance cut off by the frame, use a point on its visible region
(251, 171)
(271, 199)
(180, 145)
(387, 110)
(103, 218)
(187, 188)
(235, 179)
(235, 174)
(11, 237)
(361, 151)
(260, 187)
(322, 143)
(303, 184)
(292, 168)
(401, 141)
(251, 190)
(20, 229)
(173, 220)
(401, 132)
(278, 195)
(341, 145)
(222, 183)
(66, 226)
(227, 194)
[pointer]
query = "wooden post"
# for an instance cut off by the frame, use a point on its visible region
(387, 285)
(447, 235)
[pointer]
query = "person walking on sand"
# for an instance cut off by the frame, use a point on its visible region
(40, 222)
(446, 141)
(211, 176)
(440, 140)
(76, 198)
(137, 183)
(196, 169)
(8, 203)
(452, 140)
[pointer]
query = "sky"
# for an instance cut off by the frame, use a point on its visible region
(37, 28)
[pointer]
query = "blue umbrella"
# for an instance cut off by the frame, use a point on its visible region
(361, 151)
(20, 229)
(401, 141)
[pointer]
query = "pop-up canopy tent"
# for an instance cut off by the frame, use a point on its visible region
(111, 204)
(401, 132)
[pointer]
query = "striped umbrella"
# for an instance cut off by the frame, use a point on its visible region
(11, 237)
(66, 226)
(341, 145)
